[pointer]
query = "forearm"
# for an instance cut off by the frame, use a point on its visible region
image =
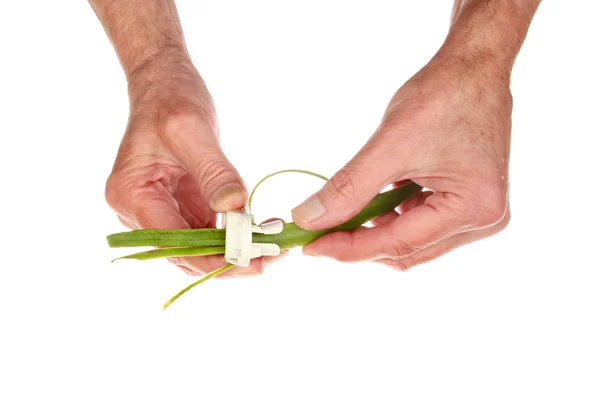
(489, 31)
(142, 32)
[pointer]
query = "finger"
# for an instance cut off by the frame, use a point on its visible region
(351, 188)
(188, 271)
(206, 264)
(256, 267)
(143, 205)
(194, 143)
(143, 202)
(410, 232)
(127, 223)
(268, 260)
(194, 210)
(445, 246)
(385, 219)
(415, 201)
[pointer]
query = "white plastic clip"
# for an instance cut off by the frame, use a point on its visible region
(239, 248)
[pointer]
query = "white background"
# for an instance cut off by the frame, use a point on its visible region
(304, 83)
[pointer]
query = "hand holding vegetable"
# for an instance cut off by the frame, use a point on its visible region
(170, 172)
(447, 129)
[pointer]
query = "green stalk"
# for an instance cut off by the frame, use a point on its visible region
(199, 281)
(258, 184)
(189, 237)
(168, 237)
(193, 240)
(190, 251)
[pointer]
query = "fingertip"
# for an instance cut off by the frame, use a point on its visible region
(268, 260)
(229, 197)
(309, 211)
(415, 201)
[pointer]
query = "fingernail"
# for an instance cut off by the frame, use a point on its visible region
(243, 272)
(228, 197)
(309, 211)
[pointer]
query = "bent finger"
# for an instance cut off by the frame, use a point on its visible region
(444, 247)
(411, 203)
(410, 232)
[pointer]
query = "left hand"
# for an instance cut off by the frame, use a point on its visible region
(447, 129)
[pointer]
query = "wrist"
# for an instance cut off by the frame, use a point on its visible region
(160, 62)
(168, 73)
(468, 66)
(487, 35)
(169, 85)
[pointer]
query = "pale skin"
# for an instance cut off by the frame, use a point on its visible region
(447, 128)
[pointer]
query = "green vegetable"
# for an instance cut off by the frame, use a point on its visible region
(206, 277)
(209, 241)
(189, 242)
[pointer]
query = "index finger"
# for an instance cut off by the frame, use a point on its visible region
(409, 233)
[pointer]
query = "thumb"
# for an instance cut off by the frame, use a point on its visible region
(197, 148)
(220, 184)
(348, 191)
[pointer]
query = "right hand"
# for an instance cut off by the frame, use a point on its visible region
(447, 129)
(170, 171)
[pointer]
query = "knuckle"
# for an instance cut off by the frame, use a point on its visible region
(349, 246)
(110, 191)
(401, 266)
(501, 226)
(177, 127)
(180, 119)
(122, 195)
(343, 185)
(186, 117)
(504, 223)
(398, 265)
(212, 170)
(492, 215)
(402, 250)
(491, 208)
(115, 193)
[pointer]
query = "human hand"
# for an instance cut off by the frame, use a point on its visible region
(448, 130)
(170, 171)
